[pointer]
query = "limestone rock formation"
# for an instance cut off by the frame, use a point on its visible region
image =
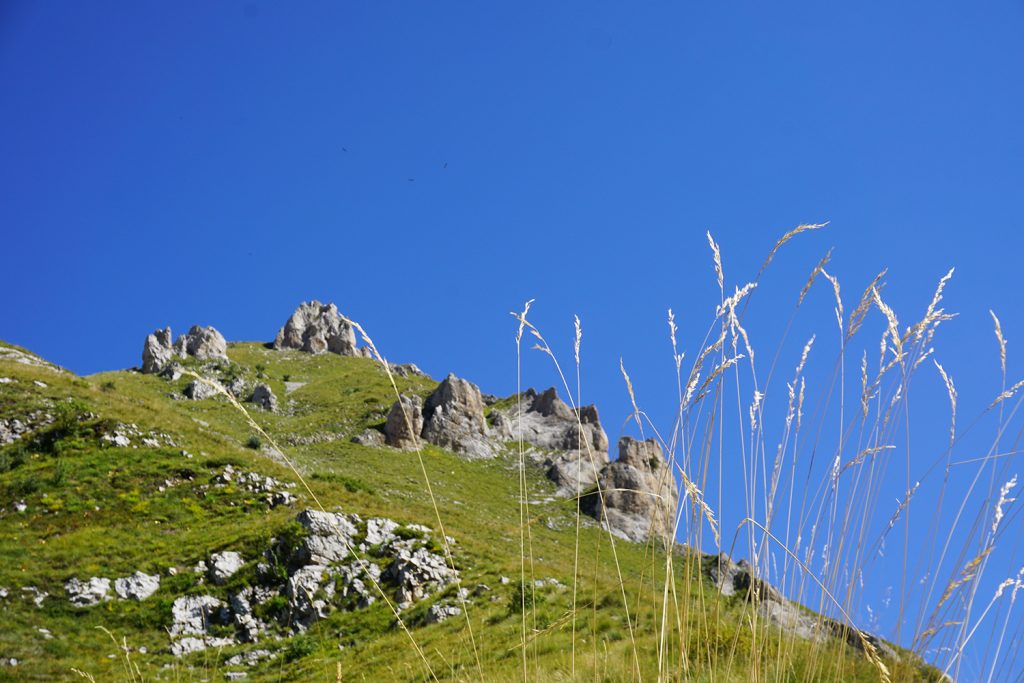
(453, 418)
(264, 397)
(198, 390)
(138, 586)
(573, 448)
(639, 493)
(739, 579)
(87, 593)
(204, 343)
(405, 423)
(222, 566)
(157, 351)
(317, 328)
(330, 537)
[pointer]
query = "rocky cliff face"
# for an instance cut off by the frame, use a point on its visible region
(571, 446)
(638, 495)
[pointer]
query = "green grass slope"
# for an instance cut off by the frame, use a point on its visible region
(95, 509)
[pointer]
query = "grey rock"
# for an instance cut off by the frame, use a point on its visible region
(639, 493)
(404, 423)
(264, 397)
(237, 387)
(418, 573)
(356, 580)
(138, 586)
(198, 390)
(380, 531)
(224, 565)
(191, 614)
(453, 418)
(574, 446)
(246, 624)
(87, 593)
(329, 537)
(317, 328)
(439, 613)
(308, 592)
(37, 595)
(369, 437)
(190, 644)
(204, 343)
(406, 370)
(157, 351)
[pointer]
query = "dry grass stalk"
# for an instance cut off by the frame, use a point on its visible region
(814, 274)
(787, 237)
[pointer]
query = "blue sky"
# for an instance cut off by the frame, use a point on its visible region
(429, 166)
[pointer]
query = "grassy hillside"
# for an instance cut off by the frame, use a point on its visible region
(92, 508)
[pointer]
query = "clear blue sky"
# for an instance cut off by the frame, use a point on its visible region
(429, 166)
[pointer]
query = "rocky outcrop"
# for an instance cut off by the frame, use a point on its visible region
(198, 390)
(264, 397)
(204, 343)
(738, 579)
(224, 565)
(138, 586)
(87, 593)
(638, 494)
(14, 428)
(405, 423)
(330, 537)
(453, 418)
(315, 577)
(572, 446)
(317, 328)
(157, 351)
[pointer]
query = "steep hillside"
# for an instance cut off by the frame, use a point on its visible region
(148, 531)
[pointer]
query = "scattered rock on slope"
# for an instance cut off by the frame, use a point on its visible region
(639, 493)
(138, 586)
(264, 397)
(87, 593)
(316, 328)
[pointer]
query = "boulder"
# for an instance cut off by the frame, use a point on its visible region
(190, 614)
(453, 418)
(87, 593)
(306, 602)
(263, 396)
(138, 586)
(223, 566)
(198, 390)
(439, 613)
(405, 423)
(204, 343)
(369, 437)
(317, 328)
(157, 351)
(330, 537)
(356, 582)
(418, 573)
(639, 494)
